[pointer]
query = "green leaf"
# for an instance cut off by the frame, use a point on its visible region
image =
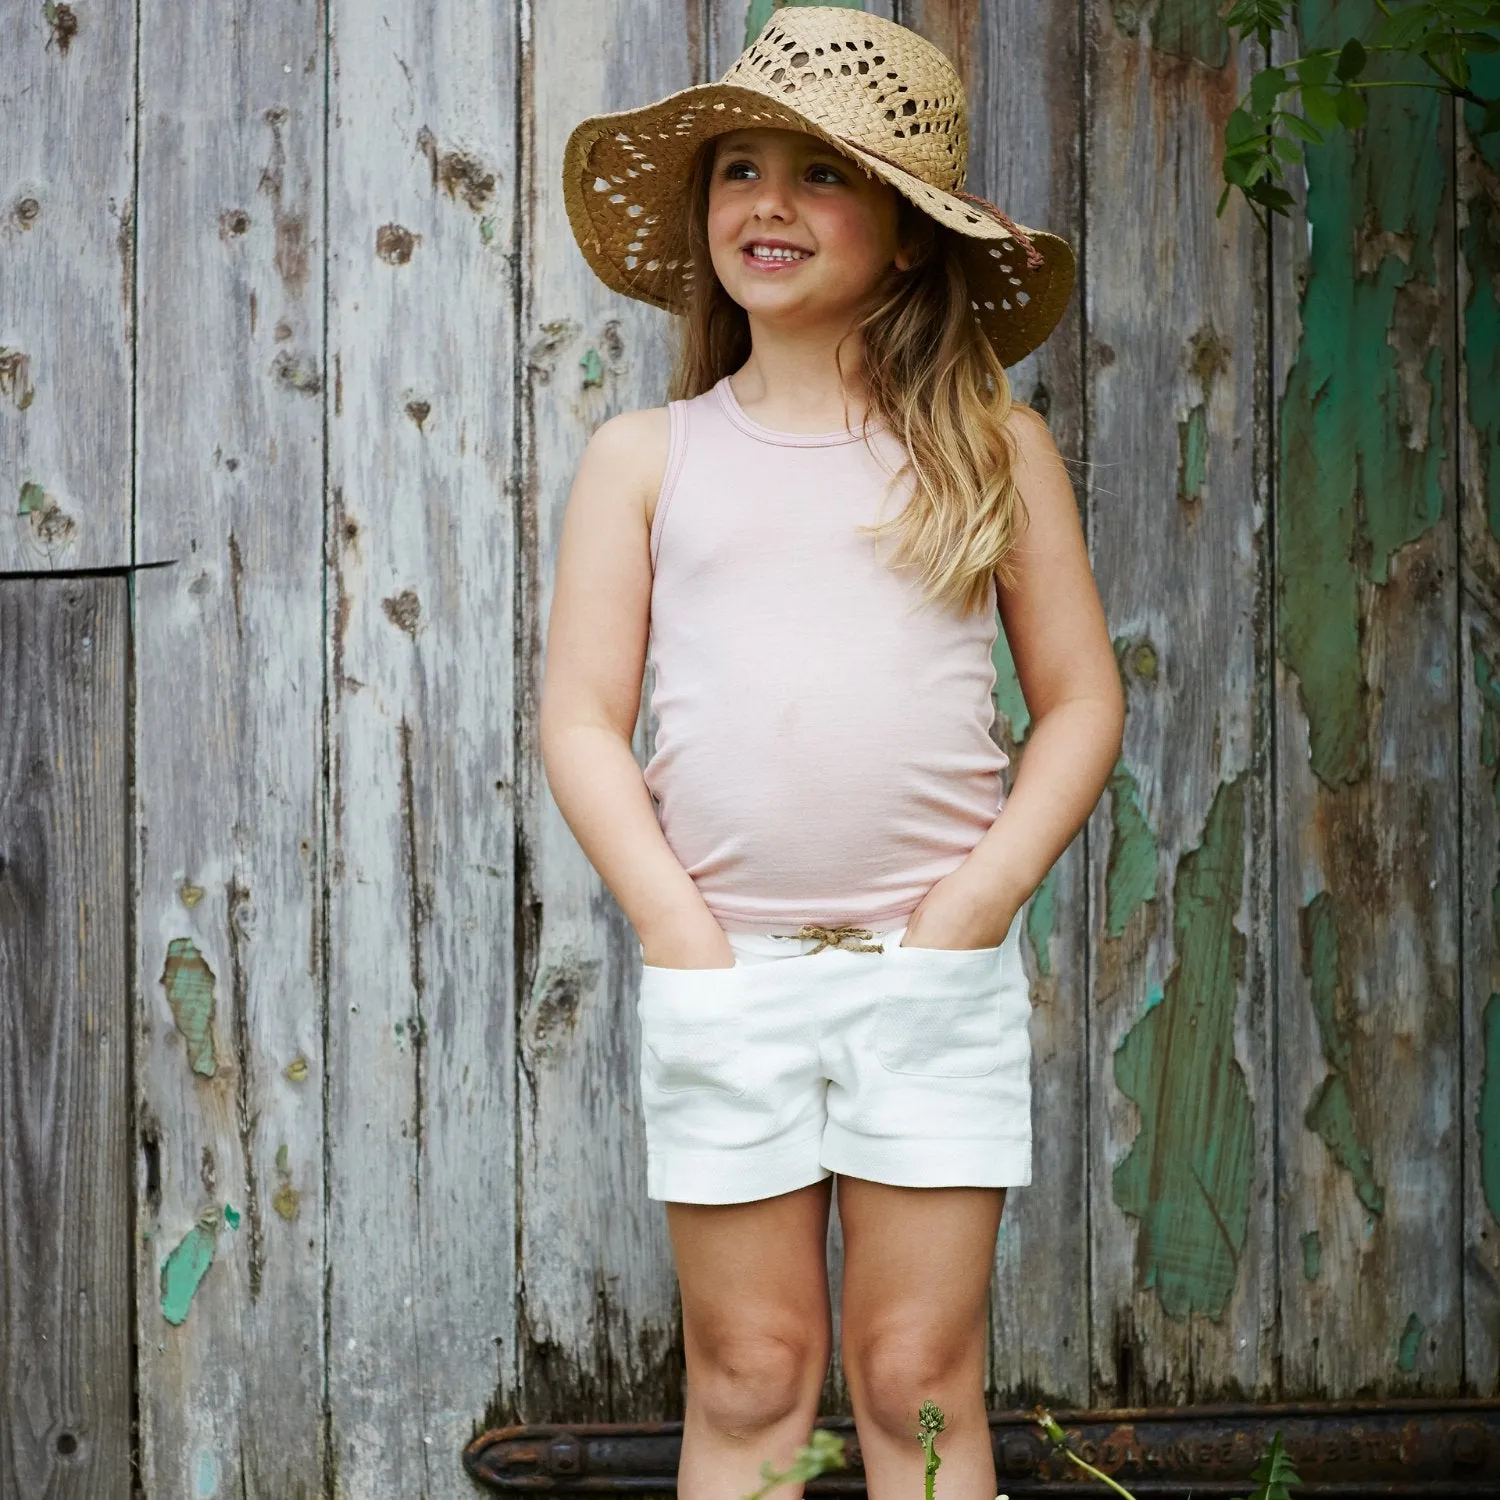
(1266, 88)
(1288, 151)
(1268, 195)
(1274, 1473)
(1300, 128)
(1314, 68)
(1350, 104)
(1262, 17)
(1402, 26)
(1480, 41)
(1319, 108)
(1240, 126)
(1351, 59)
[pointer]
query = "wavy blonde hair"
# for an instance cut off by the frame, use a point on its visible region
(930, 375)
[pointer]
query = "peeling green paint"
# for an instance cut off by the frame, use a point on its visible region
(1489, 742)
(189, 983)
(1331, 1116)
(184, 1268)
(1127, 14)
(1132, 876)
(231, 1216)
(1411, 1342)
(1188, 1172)
(1488, 683)
(593, 369)
(758, 12)
(1041, 921)
(1331, 1112)
(1362, 439)
(1312, 1254)
(206, 1481)
(1191, 28)
(1192, 456)
(1010, 701)
(1480, 246)
(1489, 1109)
(33, 497)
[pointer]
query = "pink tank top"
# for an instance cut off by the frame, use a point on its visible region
(823, 749)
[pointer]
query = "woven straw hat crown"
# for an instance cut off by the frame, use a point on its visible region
(876, 91)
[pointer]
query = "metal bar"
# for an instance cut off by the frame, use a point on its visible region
(1434, 1449)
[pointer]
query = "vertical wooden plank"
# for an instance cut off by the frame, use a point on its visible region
(64, 1033)
(67, 141)
(1021, 68)
(424, 189)
(229, 702)
(1479, 750)
(1182, 1211)
(1366, 759)
(601, 1330)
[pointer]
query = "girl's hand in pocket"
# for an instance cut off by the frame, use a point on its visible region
(692, 943)
(948, 917)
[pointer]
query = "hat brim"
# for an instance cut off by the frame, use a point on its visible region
(613, 163)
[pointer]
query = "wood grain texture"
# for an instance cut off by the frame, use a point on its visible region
(1021, 69)
(1478, 667)
(602, 1333)
(421, 1266)
(228, 751)
(65, 1255)
(67, 136)
(1368, 1026)
(1182, 1293)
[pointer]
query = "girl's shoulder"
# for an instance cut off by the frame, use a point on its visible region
(634, 445)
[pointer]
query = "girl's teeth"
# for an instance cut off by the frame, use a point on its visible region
(761, 254)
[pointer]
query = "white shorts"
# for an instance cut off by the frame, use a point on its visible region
(909, 1066)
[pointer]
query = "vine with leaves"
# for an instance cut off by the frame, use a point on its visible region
(1262, 137)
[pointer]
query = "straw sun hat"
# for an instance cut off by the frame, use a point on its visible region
(877, 92)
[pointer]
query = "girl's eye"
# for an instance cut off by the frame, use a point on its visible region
(732, 169)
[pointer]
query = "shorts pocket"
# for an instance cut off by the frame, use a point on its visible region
(941, 1011)
(692, 1029)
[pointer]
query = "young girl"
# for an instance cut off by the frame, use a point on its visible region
(819, 860)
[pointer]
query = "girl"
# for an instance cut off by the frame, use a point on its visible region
(819, 860)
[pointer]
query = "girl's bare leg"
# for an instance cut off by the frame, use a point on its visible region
(917, 1264)
(757, 1330)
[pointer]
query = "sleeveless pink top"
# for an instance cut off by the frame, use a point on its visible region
(823, 749)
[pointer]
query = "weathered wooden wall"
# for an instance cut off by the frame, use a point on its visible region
(295, 369)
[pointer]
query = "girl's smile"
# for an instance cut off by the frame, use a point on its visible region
(774, 255)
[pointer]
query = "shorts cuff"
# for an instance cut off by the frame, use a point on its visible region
(908, 1162)
(734, 1174)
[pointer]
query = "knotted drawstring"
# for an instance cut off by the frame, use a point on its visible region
(833, 937)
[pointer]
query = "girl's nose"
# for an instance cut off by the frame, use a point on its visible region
(773, 199)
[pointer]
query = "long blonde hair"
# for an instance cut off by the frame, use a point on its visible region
(931, 377)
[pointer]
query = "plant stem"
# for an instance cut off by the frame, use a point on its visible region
(1119, 1489)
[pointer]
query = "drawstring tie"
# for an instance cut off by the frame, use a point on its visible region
(833, 937)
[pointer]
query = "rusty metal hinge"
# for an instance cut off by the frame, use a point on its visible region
(1433, 1449)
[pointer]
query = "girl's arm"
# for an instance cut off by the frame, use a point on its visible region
(591, 693)
(1065, 661)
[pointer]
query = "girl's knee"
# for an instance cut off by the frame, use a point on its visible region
(744, 1381)
(891, 1376)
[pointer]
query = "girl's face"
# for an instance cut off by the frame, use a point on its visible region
(789, 189)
